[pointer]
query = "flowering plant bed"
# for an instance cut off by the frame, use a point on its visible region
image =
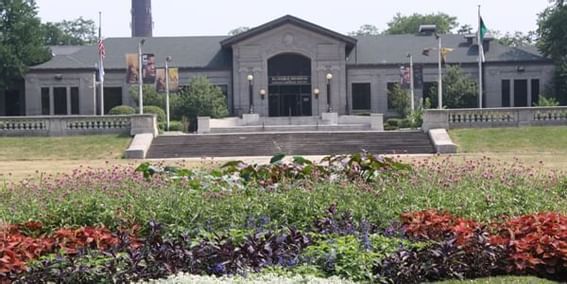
(359, 218)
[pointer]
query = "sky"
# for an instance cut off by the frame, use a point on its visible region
(217, 17)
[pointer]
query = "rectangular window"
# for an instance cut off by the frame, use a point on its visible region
(75, 100)
(520, 93)
(361, 96)
(390, 87)
(535, 91)
(45, 107)
(60, 101)
(505, 93)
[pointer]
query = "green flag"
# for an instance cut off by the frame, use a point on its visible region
(482, 30)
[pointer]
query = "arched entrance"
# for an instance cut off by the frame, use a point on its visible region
(289, 85)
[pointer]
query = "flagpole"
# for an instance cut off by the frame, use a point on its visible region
(480, 55)
(101, 79)
(440, 74)
(412, 92)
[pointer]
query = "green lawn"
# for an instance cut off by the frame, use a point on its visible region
(512, 140)
(95, 147)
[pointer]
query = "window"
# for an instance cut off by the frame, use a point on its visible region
(60, 101)
(361, 96)
(520, 93)
(75, 100)
(45, 106)
(505, 93)
(391, 87)
(535, 91)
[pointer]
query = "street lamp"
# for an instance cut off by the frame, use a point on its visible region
(167, 60)
(140, 82)
(412, 93)
(262, 94)
(316, 93)
(329, 78)
(250, 95)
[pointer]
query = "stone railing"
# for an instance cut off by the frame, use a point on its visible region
(77, 125)
(494, 117)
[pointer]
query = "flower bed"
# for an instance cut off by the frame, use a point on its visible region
(361, 218)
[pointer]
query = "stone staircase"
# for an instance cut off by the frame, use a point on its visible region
(297, 143)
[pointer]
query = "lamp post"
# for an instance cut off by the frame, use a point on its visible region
(140, 82)
(440, 73)
(167, 60)
(412, 92)
(250, 94)
(316, 93)
(263, 96)
(329, 78)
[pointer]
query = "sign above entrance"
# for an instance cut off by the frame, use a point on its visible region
(290, 80)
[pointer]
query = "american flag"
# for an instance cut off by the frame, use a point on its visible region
(102, 54)
(101, 49)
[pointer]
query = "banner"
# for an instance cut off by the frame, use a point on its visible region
(418, 76)
(160, 80)
(173, 80)
(148, 68)
(133, 67)
(405, 74)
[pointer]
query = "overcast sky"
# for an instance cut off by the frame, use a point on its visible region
(217, 17)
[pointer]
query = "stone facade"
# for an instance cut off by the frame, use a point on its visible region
(230, 60)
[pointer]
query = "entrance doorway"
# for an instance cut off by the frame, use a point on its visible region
(289, 85)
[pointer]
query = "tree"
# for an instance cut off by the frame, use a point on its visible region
(238, 30)
(553, 43)
(201, 98)
(459, 90)
(75, 32)
(410, 24)
(366, 30)
(20, 41)
(465, 30)
(516, 39)
(400, 100)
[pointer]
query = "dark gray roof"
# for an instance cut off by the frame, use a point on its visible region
(207, 53)
(393, 49)
(288, 19)
(187, 52)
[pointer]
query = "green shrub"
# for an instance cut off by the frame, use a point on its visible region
(157, 111)
(122, 110)
(546, 102)
(201, 98)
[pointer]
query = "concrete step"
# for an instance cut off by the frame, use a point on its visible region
(296, 143)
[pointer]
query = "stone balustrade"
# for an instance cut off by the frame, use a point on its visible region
(494, 117)
(77, 125)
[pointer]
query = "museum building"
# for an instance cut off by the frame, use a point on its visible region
(286, 67)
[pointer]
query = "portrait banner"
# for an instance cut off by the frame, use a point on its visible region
(173, 80)
(148, 68)
(160, 80)
(132, 68)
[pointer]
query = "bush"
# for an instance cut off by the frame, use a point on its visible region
(151, 96)
(122, 110)
(201, 98)
(546, 102)
(157, 111)
(400, 100)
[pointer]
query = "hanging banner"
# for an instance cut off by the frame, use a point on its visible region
(173, 80)
(405, 77)
(132, 69)
(148, 68)
(160, 80)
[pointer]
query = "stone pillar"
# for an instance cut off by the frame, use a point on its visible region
(331, 117)
(377, 121)
(251, 118)
(203, 124)
(146, 123)
(433, 119)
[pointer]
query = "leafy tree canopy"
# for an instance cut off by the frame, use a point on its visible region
(20, 40)
(74, 32)
(459, 90)
(365, 30)
(516, 39)
(201, 98)
(410, 24)
(553, 43)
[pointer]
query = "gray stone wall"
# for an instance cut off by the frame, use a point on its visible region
(251, 57)
(84, 80)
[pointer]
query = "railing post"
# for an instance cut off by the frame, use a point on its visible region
(433, 119)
